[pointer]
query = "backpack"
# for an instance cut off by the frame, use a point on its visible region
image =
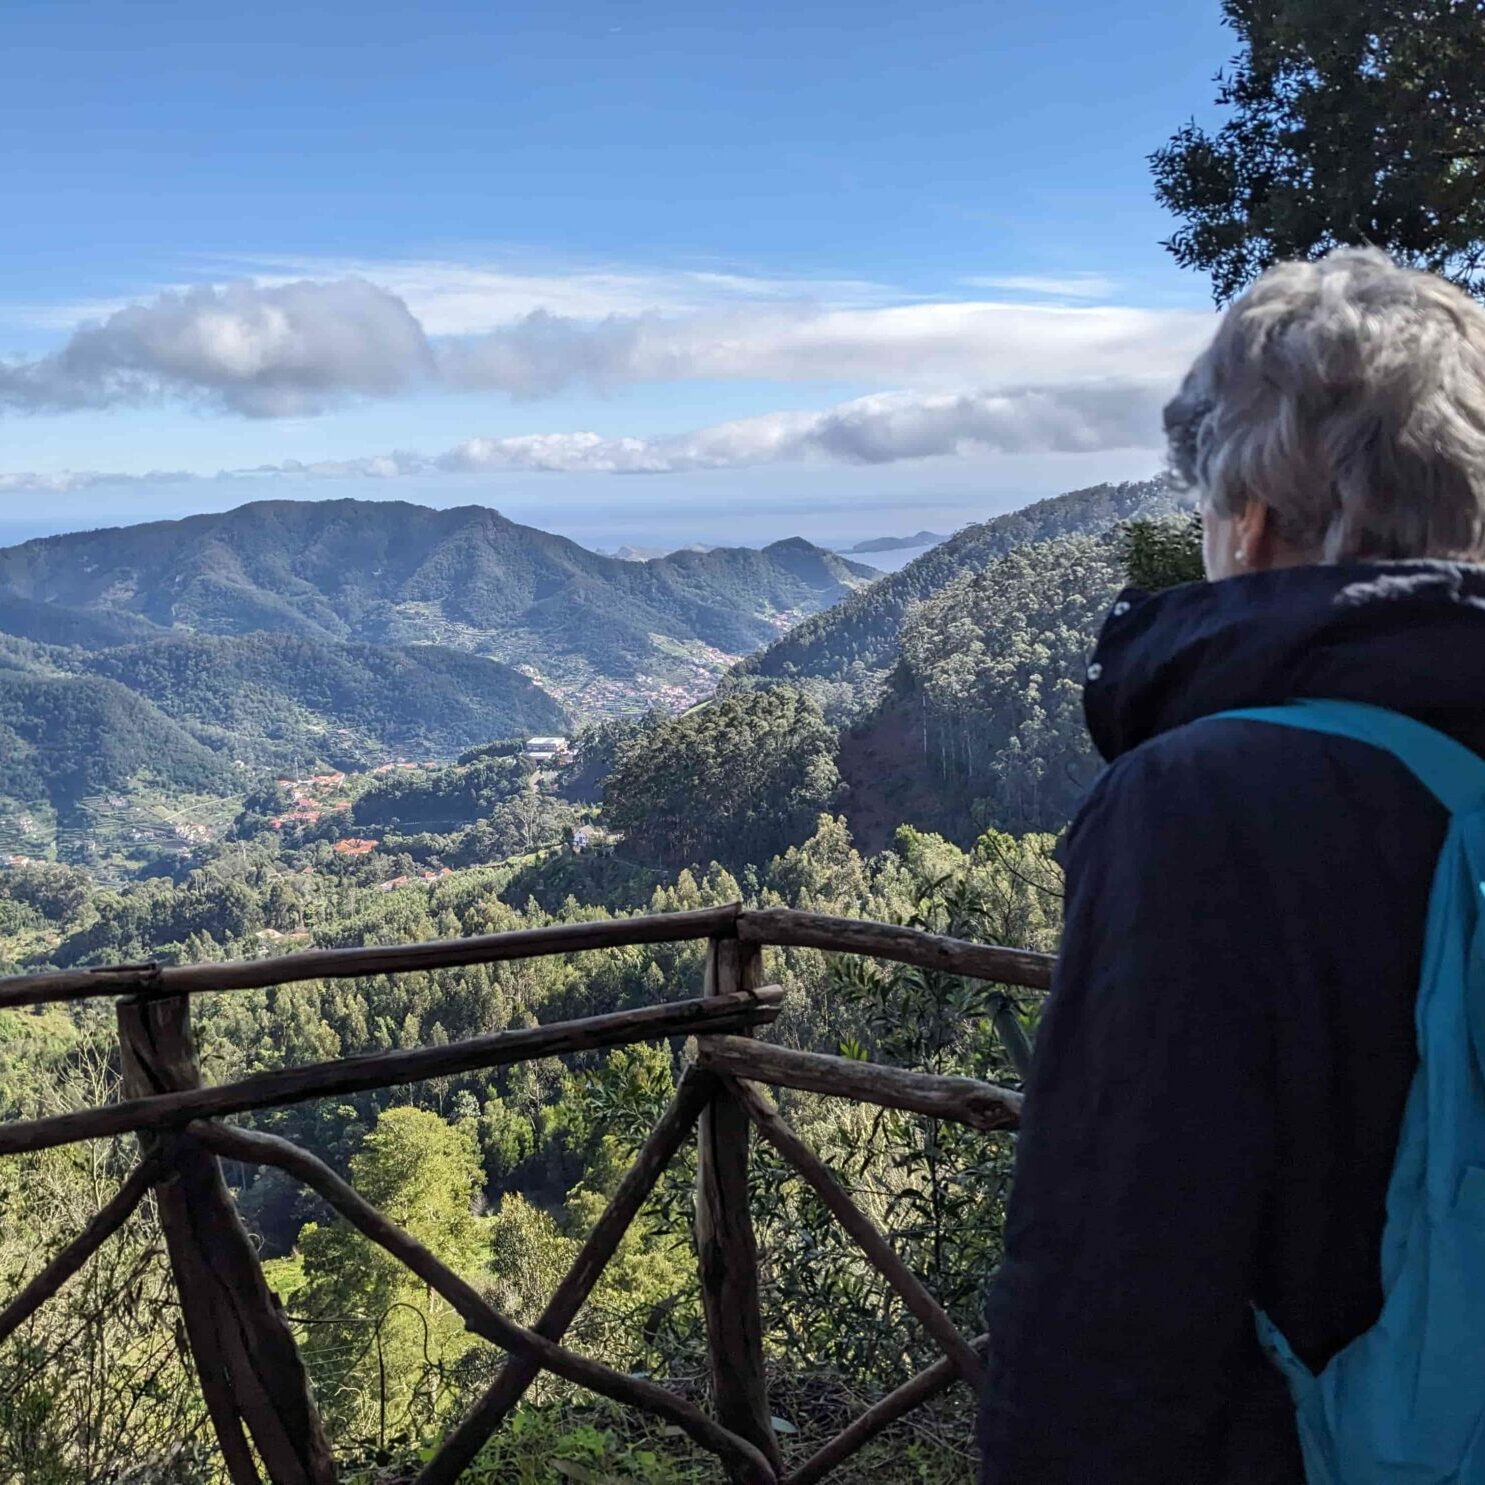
(1404, 1403)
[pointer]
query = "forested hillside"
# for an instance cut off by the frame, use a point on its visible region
(56, 624)
(734, 780)
(843, 654)
(977, 722)
(124, 757)
(280, 700)
(597, 630)
(65, 737)
(981, 720)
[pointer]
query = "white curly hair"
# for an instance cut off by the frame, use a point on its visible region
(1348, 396)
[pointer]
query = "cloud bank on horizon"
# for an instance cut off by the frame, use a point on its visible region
(880, 429)
(1052, 374)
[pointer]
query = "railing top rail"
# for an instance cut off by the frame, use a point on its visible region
(346, 1075)
(781, 926)
(934, 951)
(376, 959)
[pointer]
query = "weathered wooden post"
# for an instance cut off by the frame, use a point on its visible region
(725, 1243)
(250, 1369)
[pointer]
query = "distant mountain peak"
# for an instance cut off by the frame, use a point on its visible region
(630, 553)
(897, 543)
(601, 633)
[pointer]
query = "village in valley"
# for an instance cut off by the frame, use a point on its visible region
(323, 806)
(691, 678)
(118, 835)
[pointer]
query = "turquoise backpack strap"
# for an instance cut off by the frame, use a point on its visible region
(1454, 775)
(1404, 1402)
(1448, 769)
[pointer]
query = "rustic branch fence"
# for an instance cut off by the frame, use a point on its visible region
(252, 1377)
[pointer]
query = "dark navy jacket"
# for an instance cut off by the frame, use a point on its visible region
(1220, 1074)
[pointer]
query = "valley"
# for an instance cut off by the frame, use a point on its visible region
(151, 676)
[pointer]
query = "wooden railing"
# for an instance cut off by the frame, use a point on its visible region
(252, 1377)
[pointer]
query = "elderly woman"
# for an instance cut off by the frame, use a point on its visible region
(1221, 1074)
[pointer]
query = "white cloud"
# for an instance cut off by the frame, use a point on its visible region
(295, 347)
(458, 298)
(1069, 286)
(69, 481)
(922, 345)
(265, 351)
(880, 429)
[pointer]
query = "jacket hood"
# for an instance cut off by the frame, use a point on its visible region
(1404, 635)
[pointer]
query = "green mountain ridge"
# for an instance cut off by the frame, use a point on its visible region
(968, 717)
(267, 698)
(954, 680)
(980, 722)
(64, 737)
(848, 650)
(56, 624)
(598, 629)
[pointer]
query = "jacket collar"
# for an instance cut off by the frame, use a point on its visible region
(1405, 635)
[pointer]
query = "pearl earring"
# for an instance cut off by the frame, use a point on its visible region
(1240, 556)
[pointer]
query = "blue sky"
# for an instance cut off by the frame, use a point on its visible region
(633, 271)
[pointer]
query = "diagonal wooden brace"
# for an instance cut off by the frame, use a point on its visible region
(869, 1237)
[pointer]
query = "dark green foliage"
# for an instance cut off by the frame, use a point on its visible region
(491, 806)
(27, 656)
(442, 798)
(157, 917)
(52, 624)
(946, 1206)
(99, 741)
(551, 1140)
(63, 738)
(390, 572)
(983, 722)
(605, 876)
(995, 663)
(595, 751)
(960, 677)
(1349, 121)
(506, 747)
(734, 780)
(281, 699)
(54, 891)
(1162, 551)
(514, 830)
(853, 645)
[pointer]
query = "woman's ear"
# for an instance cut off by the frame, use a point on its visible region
(1246, 542)
(1258, 545)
